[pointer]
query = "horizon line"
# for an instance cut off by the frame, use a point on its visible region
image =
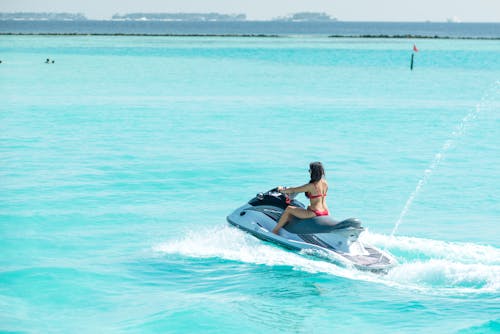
(285, 18)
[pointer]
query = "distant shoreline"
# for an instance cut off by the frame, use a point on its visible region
(249, 35)
(254, 29)
(414, 37)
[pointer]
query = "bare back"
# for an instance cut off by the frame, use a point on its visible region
(317, 195)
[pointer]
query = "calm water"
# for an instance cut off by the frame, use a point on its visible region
(120, 162)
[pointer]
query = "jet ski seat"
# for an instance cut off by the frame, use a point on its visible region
(320, 224)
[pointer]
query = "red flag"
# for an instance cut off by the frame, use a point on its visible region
(415, 48)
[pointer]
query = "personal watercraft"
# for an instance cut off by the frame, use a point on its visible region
(322, 235)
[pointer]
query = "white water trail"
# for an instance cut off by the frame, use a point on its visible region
(232, 244)
(435, 266)
(438, 158)
(426, 265)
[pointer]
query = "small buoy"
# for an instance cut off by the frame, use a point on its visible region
(415, 49)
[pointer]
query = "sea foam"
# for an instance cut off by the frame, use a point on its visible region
(426, 265)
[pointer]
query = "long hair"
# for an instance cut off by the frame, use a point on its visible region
(317, 171)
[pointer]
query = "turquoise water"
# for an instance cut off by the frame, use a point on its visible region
(120, 162)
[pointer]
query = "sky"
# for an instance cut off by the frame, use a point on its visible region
(344, 10)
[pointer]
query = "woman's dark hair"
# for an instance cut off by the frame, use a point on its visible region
(316, 170)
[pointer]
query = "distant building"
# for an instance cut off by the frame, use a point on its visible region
(454, 19)
(26, 16)
(196, 17)
(307, 17)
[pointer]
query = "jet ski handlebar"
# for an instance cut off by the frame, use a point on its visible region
(275, 192)
(274, 197)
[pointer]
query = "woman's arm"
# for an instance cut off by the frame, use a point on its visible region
(300, 189)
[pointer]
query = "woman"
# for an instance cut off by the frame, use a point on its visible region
(315, 190)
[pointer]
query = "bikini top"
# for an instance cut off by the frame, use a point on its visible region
(308, 194)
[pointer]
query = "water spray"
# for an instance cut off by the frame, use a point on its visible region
(438, 158)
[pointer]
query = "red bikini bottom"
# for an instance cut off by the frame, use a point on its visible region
(319, 212)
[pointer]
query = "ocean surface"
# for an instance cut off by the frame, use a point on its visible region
(334, 28)
(120, 161)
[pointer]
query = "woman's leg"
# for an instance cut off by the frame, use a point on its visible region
(292, 211)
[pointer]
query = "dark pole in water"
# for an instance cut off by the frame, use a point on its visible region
(411, 63)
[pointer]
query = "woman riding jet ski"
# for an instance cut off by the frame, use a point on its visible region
(278, 217)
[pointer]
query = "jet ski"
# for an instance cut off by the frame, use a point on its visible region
(323, 236)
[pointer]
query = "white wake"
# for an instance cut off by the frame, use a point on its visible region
(426, 265)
